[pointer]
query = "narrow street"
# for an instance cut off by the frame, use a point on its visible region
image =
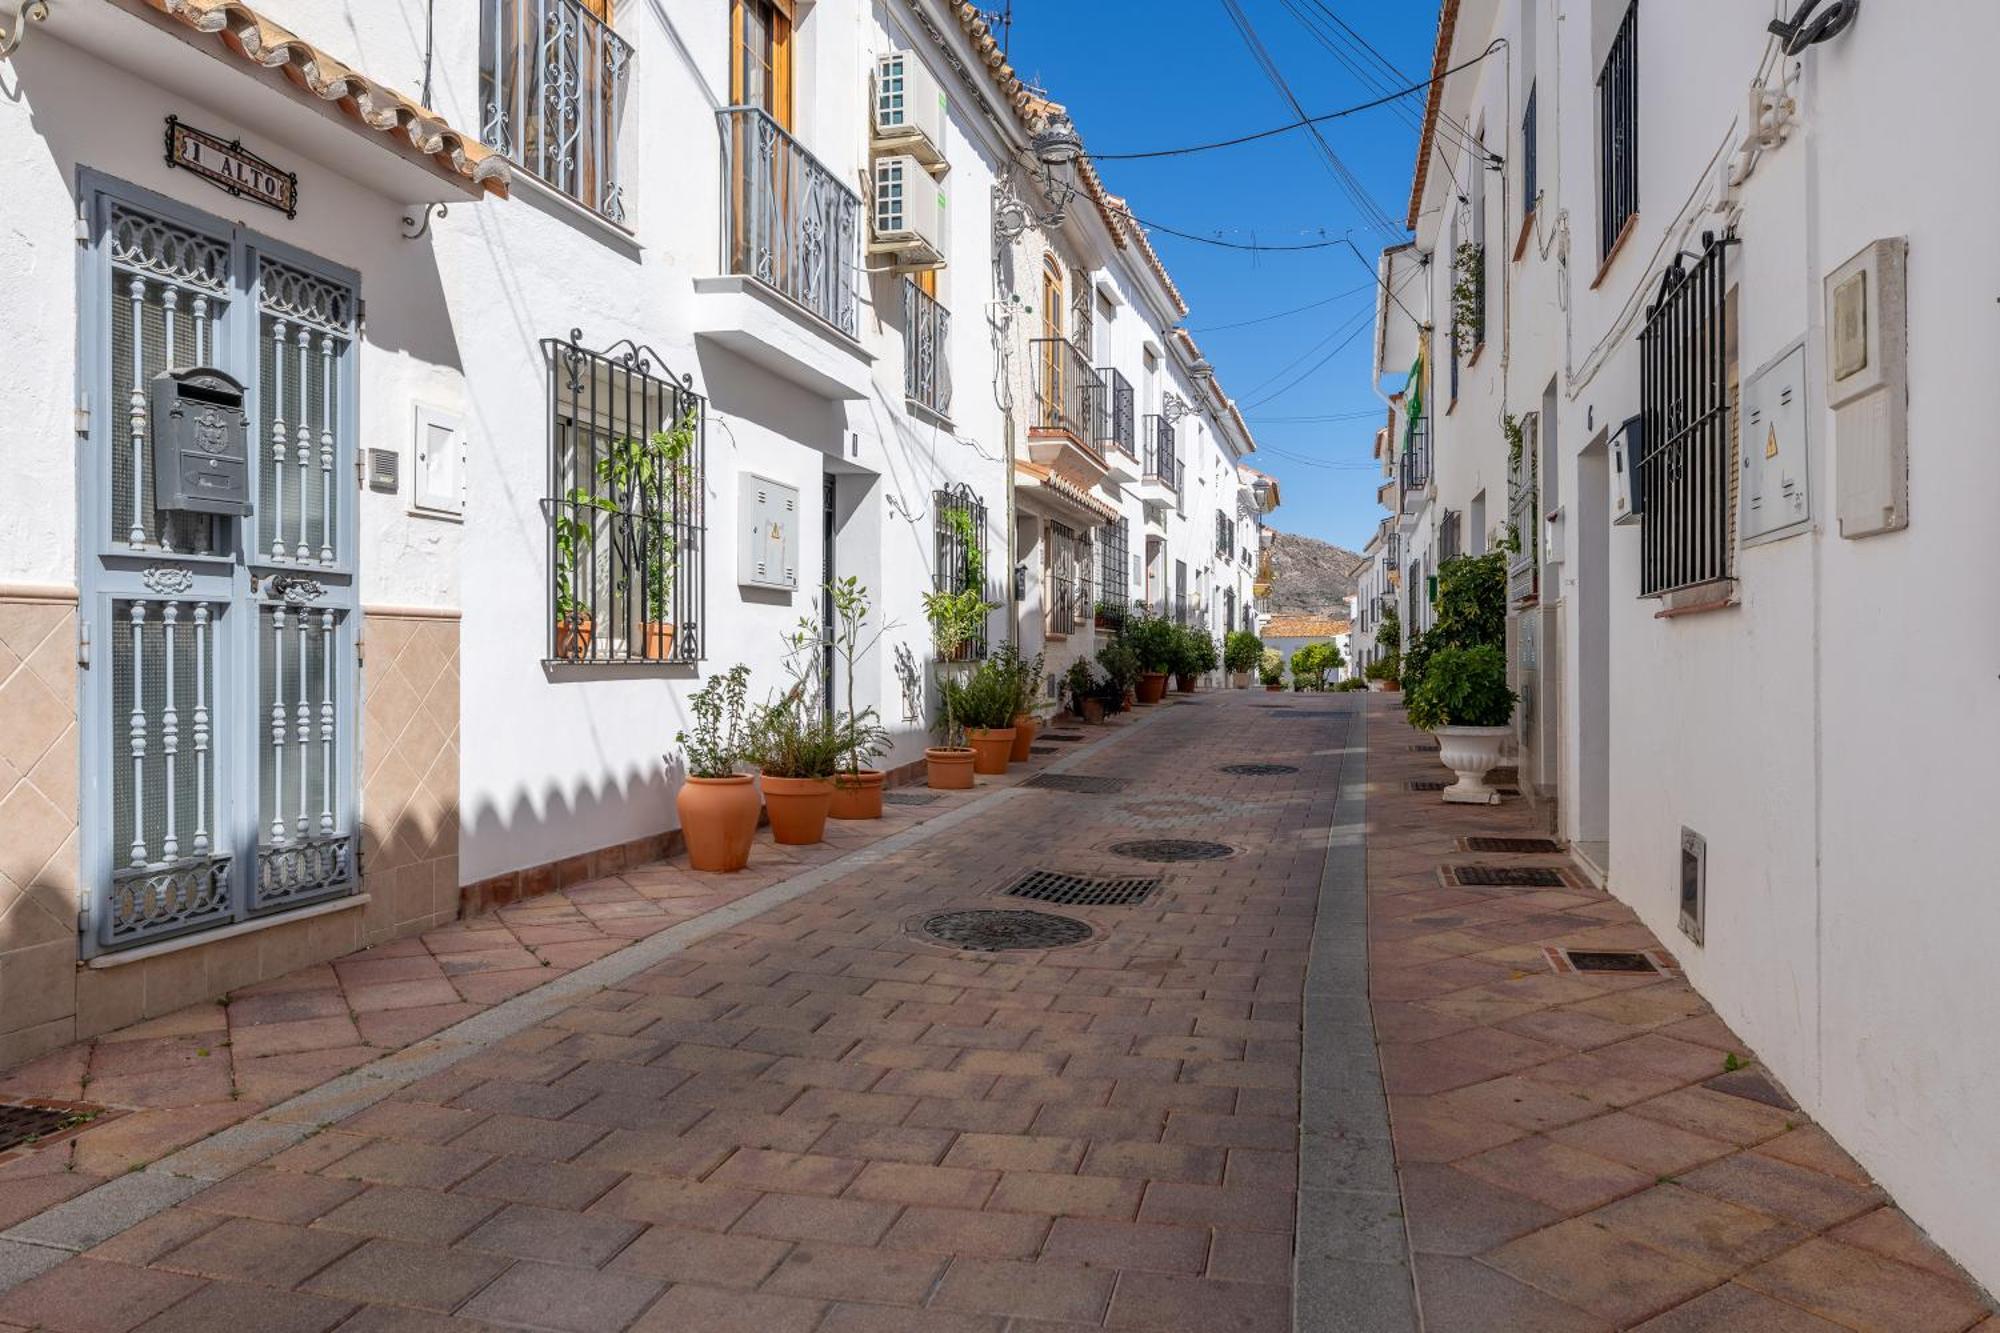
(795, 1112)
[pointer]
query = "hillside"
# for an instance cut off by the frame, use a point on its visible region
(1312, 577)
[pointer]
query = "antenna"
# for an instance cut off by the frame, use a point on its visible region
(1001, 20)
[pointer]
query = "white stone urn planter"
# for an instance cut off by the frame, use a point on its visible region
(1377, 686)
(1472, 752)
(1239, 680)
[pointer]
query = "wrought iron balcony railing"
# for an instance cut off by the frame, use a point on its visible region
(1160, 464)
(1068, 394)
(787, 221)
(1118, 428)
(926, 355)
(1417, 456)
(552, 80)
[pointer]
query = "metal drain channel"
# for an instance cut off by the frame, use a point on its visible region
(1506, 877)
(1049, 886)
(1172, 849)
(990, 931)
(21, 1124)
(1060, 736)
(908, 797)
(1522, 845)
(1257, 770)
(1608, 960)
(1044, 749)
(1078, 782)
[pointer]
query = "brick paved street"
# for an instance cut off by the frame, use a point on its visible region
(812, 1119)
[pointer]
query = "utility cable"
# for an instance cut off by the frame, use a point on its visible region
(1282, 314)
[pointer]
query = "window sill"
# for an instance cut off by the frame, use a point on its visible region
(1521, 241)
(1617, 248)
(205, 938)
(1718, 595)
(540, 194)
(922, 412)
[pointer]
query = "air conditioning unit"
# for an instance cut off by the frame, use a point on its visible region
(909, 214)
(909, 108)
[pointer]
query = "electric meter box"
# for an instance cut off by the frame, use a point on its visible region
(1868, 389)
(768, 547)
(201, 441)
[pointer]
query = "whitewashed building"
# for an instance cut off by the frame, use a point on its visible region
(415, 404)
(1717, 295)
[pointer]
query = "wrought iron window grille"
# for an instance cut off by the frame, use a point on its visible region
(1451, 542)
(958, 518)
(1618, 134)
(788, 221)
(1225, 536)
(1524, 517)
(624, 508)
(1063, 583)
(1687, 468)
(1069, 396)
(1416, 459)
(552, 83)
(1119, 429)
(926, 350)
(1114, 591)
(1530, 185)
(1160, 464)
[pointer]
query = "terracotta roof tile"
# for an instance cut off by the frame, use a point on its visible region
(1301, 627)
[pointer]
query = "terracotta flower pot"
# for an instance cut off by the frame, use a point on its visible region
(573, 635)
(950, 767)
(1274, 689)
(1152, 686)
(857, 795)
(1025, 728)
(659, 640)
(991, 747)
(718, 820)
(1093, 710)
(798, 808)
(1186, 683)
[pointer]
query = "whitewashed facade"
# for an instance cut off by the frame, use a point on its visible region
(1701, 663)
(436, 651)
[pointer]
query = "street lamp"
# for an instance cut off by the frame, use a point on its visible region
(1056, 147)
(1173, 408)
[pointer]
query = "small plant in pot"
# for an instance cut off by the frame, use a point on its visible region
(1121, 674)
(1154, 640)
(574, 530)
(1240, 654)
(1027, 674)
(1199, 656)
(857, 788)
(984, 706)
(1464, 699)
(1271, 669)
(718, 806)
(956, 620)
(651, 480)
(1083, 684)
(798, 745)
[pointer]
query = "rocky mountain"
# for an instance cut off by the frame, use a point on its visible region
(1311, 577)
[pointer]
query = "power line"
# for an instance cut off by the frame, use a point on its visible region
(1322, 417)
(1312, 369)
(1295, 310)
(1286, 369)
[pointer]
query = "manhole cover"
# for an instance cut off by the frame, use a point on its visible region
(1062, 735)
(1258, 770)
(21, 1124)
(1427, 784)
(909, 797)
(1506, 877)
(989, 931)
(1078, 782)
(1508, 845)
(1047, 886)
(1172, 849)
(1608, 960)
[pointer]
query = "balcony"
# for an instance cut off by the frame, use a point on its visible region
(1118, 428)
(552, 79)
(1416, 464)
(1160, 474)
(791, 256)
(1069, 399)
(926, 351)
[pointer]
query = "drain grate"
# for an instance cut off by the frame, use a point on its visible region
(1173, 849)
(1044, 749)
(1506, 877)
(1078, 782)
(1609, 960)
(908, 797)
(1427, 784)
(1258, 770)
(23, 1124)
(1424, 749)
(1048, 886)
(1062, 736)
(990, 931)
(1483, 844)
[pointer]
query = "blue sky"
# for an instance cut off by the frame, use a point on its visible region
(1138, 76)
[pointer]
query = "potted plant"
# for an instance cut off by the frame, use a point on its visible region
(1121, 674)
(718, 806)
(1027, 674)
(1083, 686)
(857, 789)
(1463, 698)
(1109, 616)
(1271, 669)
(1197, 657)
(1154, 641)
(797, 747)
(1384, 673)
(984, 706)
(956, 619)
(574, 532)
(1240, 654)
(650, 480)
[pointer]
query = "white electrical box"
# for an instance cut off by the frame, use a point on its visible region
(1776, 491)
(909, 214)
(910, 108)
(1627, 496)
(1868, 389)
(768, 548)
(437, 464)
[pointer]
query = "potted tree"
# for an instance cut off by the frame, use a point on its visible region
(1154, 640)
(1121, 674)
(857, 789)
(1464, 699)
(1240, 654)
(984, 706)
(1204, 655)
(1271, 669)
(1083, 685)
(718, 806)
(1027, 674)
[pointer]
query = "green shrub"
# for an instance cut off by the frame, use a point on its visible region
(1121, 665)
(985, 699)
(1207, 656)
(1463, 687)
(1271, 666)
(1241, 650)
(718, 739)
(1154, 640)
(1387, 667)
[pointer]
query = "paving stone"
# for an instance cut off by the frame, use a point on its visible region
(231, 1305)
(958, 1231)
(88, 1296)
(552, 1236)
(526, 1180)
(850, 1273)
(276, 1198)
(1130, 1245)
(1863, 1290)
(1052, 1291)
(244, 1249)
(1166, 1303)
(1731, 1309)
(395, 1212)
(675, 1255)
(713, 1311)
(404, 1273)
(1585, 1264)
(575, 1300)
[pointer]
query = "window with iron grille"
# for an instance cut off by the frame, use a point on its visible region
(1686, 468)
(1115, 589)
(1524, 520)
(552, 78)
(1618, 134)
(1529, 184)
(1061, 562)
(959, 533)
(1450, 540)
(926, 350)
(1225, 536)
(1180, 591)
(624, 508)
(1228, 610)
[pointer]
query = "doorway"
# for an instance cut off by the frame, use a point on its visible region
(828, 525)
(1592, 830)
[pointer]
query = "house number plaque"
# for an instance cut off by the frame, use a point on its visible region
(228, 165)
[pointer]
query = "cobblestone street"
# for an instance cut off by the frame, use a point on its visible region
(792, 1111)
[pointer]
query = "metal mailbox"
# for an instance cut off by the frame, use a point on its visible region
(201, 442)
